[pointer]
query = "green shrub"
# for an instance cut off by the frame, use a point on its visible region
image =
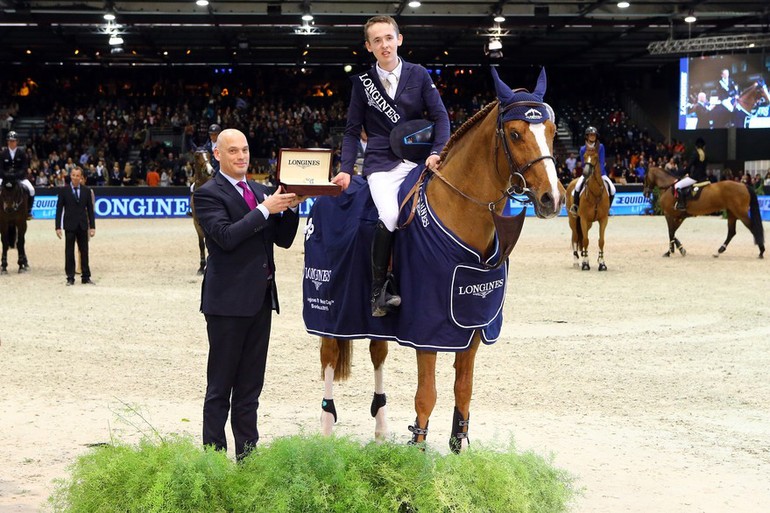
(310, 474)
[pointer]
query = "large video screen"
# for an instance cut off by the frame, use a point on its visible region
(724, 91)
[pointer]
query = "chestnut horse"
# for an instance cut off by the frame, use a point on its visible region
(738, 200)
(748, 99)
(203, 171)
(13, 223)
(504, 149)
(594, 207)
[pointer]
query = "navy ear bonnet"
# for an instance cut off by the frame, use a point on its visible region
(521, 104)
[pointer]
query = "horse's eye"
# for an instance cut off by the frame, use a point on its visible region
(514, 135)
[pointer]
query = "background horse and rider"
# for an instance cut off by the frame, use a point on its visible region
(594, 206)
(739, 201)
(748, 100)
(203, 171)
(13, 223)
(504, 149)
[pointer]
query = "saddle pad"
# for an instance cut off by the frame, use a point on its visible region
(446, 291)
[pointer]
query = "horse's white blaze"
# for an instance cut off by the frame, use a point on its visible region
(538, 129)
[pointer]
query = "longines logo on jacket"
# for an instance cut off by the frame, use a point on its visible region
(375, 99)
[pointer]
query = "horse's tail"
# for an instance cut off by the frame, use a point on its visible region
(344, 357)
(11, 234)
(756, 217)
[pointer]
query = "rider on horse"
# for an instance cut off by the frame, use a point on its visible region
(592, 145)
(390, 93)
(209, 146)
(696, 172)
(13, 168)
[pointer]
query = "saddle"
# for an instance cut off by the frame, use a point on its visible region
(693, 191)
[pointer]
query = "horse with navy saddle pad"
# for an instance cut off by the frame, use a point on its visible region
(450, 254)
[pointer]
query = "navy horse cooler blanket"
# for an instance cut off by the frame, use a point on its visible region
(446, 291)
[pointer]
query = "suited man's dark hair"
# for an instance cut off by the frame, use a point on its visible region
(379, 19)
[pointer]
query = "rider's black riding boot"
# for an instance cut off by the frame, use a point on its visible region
(382, 301)
(576, 201)
(681, 200)
(30, 204)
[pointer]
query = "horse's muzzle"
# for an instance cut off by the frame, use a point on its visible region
(546, 207)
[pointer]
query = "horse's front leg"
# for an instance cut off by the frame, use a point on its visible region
(4, 261)
(425, 398)
(23, 264)
(602, 227)
(464, 364)
(673, 243)
(378, 351)
(585, 225)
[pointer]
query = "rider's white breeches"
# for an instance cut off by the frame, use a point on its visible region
(26, 185)
(384, 189)
(607, 182)
(684, 182)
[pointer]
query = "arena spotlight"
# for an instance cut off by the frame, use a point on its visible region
(624, 5)
(201, 3)
(690, 18)
(499, 18)
(414, 4)
(115, 40)
(109, 16)
(495, 44)
(306, 16)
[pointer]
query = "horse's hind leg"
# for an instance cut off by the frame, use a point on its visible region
(425, 397)
(464, 364)
(731, 222)
(378, 351)
(335, 364)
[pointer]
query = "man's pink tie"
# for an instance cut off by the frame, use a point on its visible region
(251, 200)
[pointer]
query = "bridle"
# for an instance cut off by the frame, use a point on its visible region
(514, 171)
(12, 197)
(207, 163)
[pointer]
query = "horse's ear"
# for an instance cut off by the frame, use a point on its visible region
(542, 83)
(504, 93)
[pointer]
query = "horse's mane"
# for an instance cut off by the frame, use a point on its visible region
(467, 126)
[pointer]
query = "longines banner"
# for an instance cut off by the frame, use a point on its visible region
(133, 202)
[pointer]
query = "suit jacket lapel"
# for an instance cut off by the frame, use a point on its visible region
(406, 71)
(230, 192)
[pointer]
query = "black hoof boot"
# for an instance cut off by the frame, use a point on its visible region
(458, 433)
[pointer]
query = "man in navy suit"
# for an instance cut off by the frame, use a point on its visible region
(392, 92)
(75, 214)
(241, 222)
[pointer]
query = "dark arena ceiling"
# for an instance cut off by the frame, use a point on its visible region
(562, 33)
